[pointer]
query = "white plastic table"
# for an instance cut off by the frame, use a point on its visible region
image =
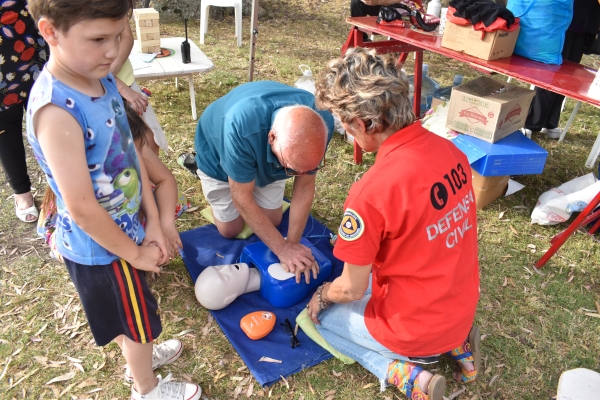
(172, 66)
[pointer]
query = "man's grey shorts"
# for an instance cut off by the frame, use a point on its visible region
(218, 195)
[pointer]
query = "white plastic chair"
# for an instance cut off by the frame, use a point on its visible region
(205, 7)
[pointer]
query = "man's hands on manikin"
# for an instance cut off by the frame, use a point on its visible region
(298, 259)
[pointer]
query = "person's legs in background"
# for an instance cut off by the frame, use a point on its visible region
(360, 9)
(13, 160)
(544, 114)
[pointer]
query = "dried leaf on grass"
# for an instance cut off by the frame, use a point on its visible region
(368, 385)
(183, 332)
(62, 378)
(493, 379)
(287, 385)
(338, 374)
(457, 393)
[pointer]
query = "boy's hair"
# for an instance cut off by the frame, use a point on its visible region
(65, 13)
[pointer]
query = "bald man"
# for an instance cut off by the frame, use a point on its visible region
(247, 144)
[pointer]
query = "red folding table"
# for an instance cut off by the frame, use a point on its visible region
(569, 79)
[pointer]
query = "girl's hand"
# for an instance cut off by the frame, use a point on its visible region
(173, 239)
(138, 101)
(154, 235)
(148, 258)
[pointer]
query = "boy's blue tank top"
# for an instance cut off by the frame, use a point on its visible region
(112, 163)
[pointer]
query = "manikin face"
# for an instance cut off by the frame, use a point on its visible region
(218, 286)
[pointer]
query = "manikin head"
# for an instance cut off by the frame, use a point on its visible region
(218, 286)
(298, 138)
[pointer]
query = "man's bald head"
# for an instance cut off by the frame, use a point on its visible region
(299, 137)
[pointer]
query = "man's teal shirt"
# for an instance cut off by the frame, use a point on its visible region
(232, 134)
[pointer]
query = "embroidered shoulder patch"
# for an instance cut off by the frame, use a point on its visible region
(352, 226)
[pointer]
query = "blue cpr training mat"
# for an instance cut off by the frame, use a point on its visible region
(203, 247)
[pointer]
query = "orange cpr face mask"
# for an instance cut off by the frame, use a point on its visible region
(258, 324)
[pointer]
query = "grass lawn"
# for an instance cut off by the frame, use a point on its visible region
(534, 324)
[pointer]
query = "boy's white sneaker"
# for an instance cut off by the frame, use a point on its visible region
(162, 354)
(168, 390)
(553, 133)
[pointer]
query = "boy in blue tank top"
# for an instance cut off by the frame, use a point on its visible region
(78, 129)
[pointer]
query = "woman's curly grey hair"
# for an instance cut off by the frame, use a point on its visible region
(368, 86)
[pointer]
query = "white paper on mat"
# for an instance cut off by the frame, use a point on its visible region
(513, 187)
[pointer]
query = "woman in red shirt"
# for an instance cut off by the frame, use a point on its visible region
(408, 237)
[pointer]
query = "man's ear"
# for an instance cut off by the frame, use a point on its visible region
(48, 31)
(271, 137)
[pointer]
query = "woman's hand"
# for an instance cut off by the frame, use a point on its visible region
(173, 239)
(313, 309)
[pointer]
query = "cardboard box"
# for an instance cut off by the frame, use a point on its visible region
(488, 109)
(488, 188)
(514, 155)
(492, 46)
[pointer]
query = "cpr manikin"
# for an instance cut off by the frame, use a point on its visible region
(258, 269)
(218, 286)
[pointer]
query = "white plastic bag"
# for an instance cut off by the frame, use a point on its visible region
(306, 81)
(557, 205)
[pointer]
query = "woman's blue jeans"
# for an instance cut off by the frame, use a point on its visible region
(343, 327)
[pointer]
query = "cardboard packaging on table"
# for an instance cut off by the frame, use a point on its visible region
(488, 109)
(484, 45)
(488, 188)
(513, 155)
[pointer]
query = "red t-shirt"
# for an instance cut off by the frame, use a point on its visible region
(413, 216)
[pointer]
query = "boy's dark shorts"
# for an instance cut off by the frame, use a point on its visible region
(117, 301)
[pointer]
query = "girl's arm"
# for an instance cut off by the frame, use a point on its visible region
(154, 233)
(137, 100)
(61, 140)
(166, 197)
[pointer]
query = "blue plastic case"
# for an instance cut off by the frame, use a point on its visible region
(285, 292)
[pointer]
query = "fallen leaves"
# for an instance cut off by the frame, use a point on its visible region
(508, 281)
(62, 378)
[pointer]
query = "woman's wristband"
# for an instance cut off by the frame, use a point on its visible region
(323, 305)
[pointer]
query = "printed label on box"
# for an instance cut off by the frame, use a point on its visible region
(473, 115)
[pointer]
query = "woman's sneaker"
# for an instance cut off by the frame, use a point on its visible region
(162, 354)
(553, 133)
(168, 390)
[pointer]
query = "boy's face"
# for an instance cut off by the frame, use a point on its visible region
(89, 47)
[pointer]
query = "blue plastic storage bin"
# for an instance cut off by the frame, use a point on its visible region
(513, 155)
